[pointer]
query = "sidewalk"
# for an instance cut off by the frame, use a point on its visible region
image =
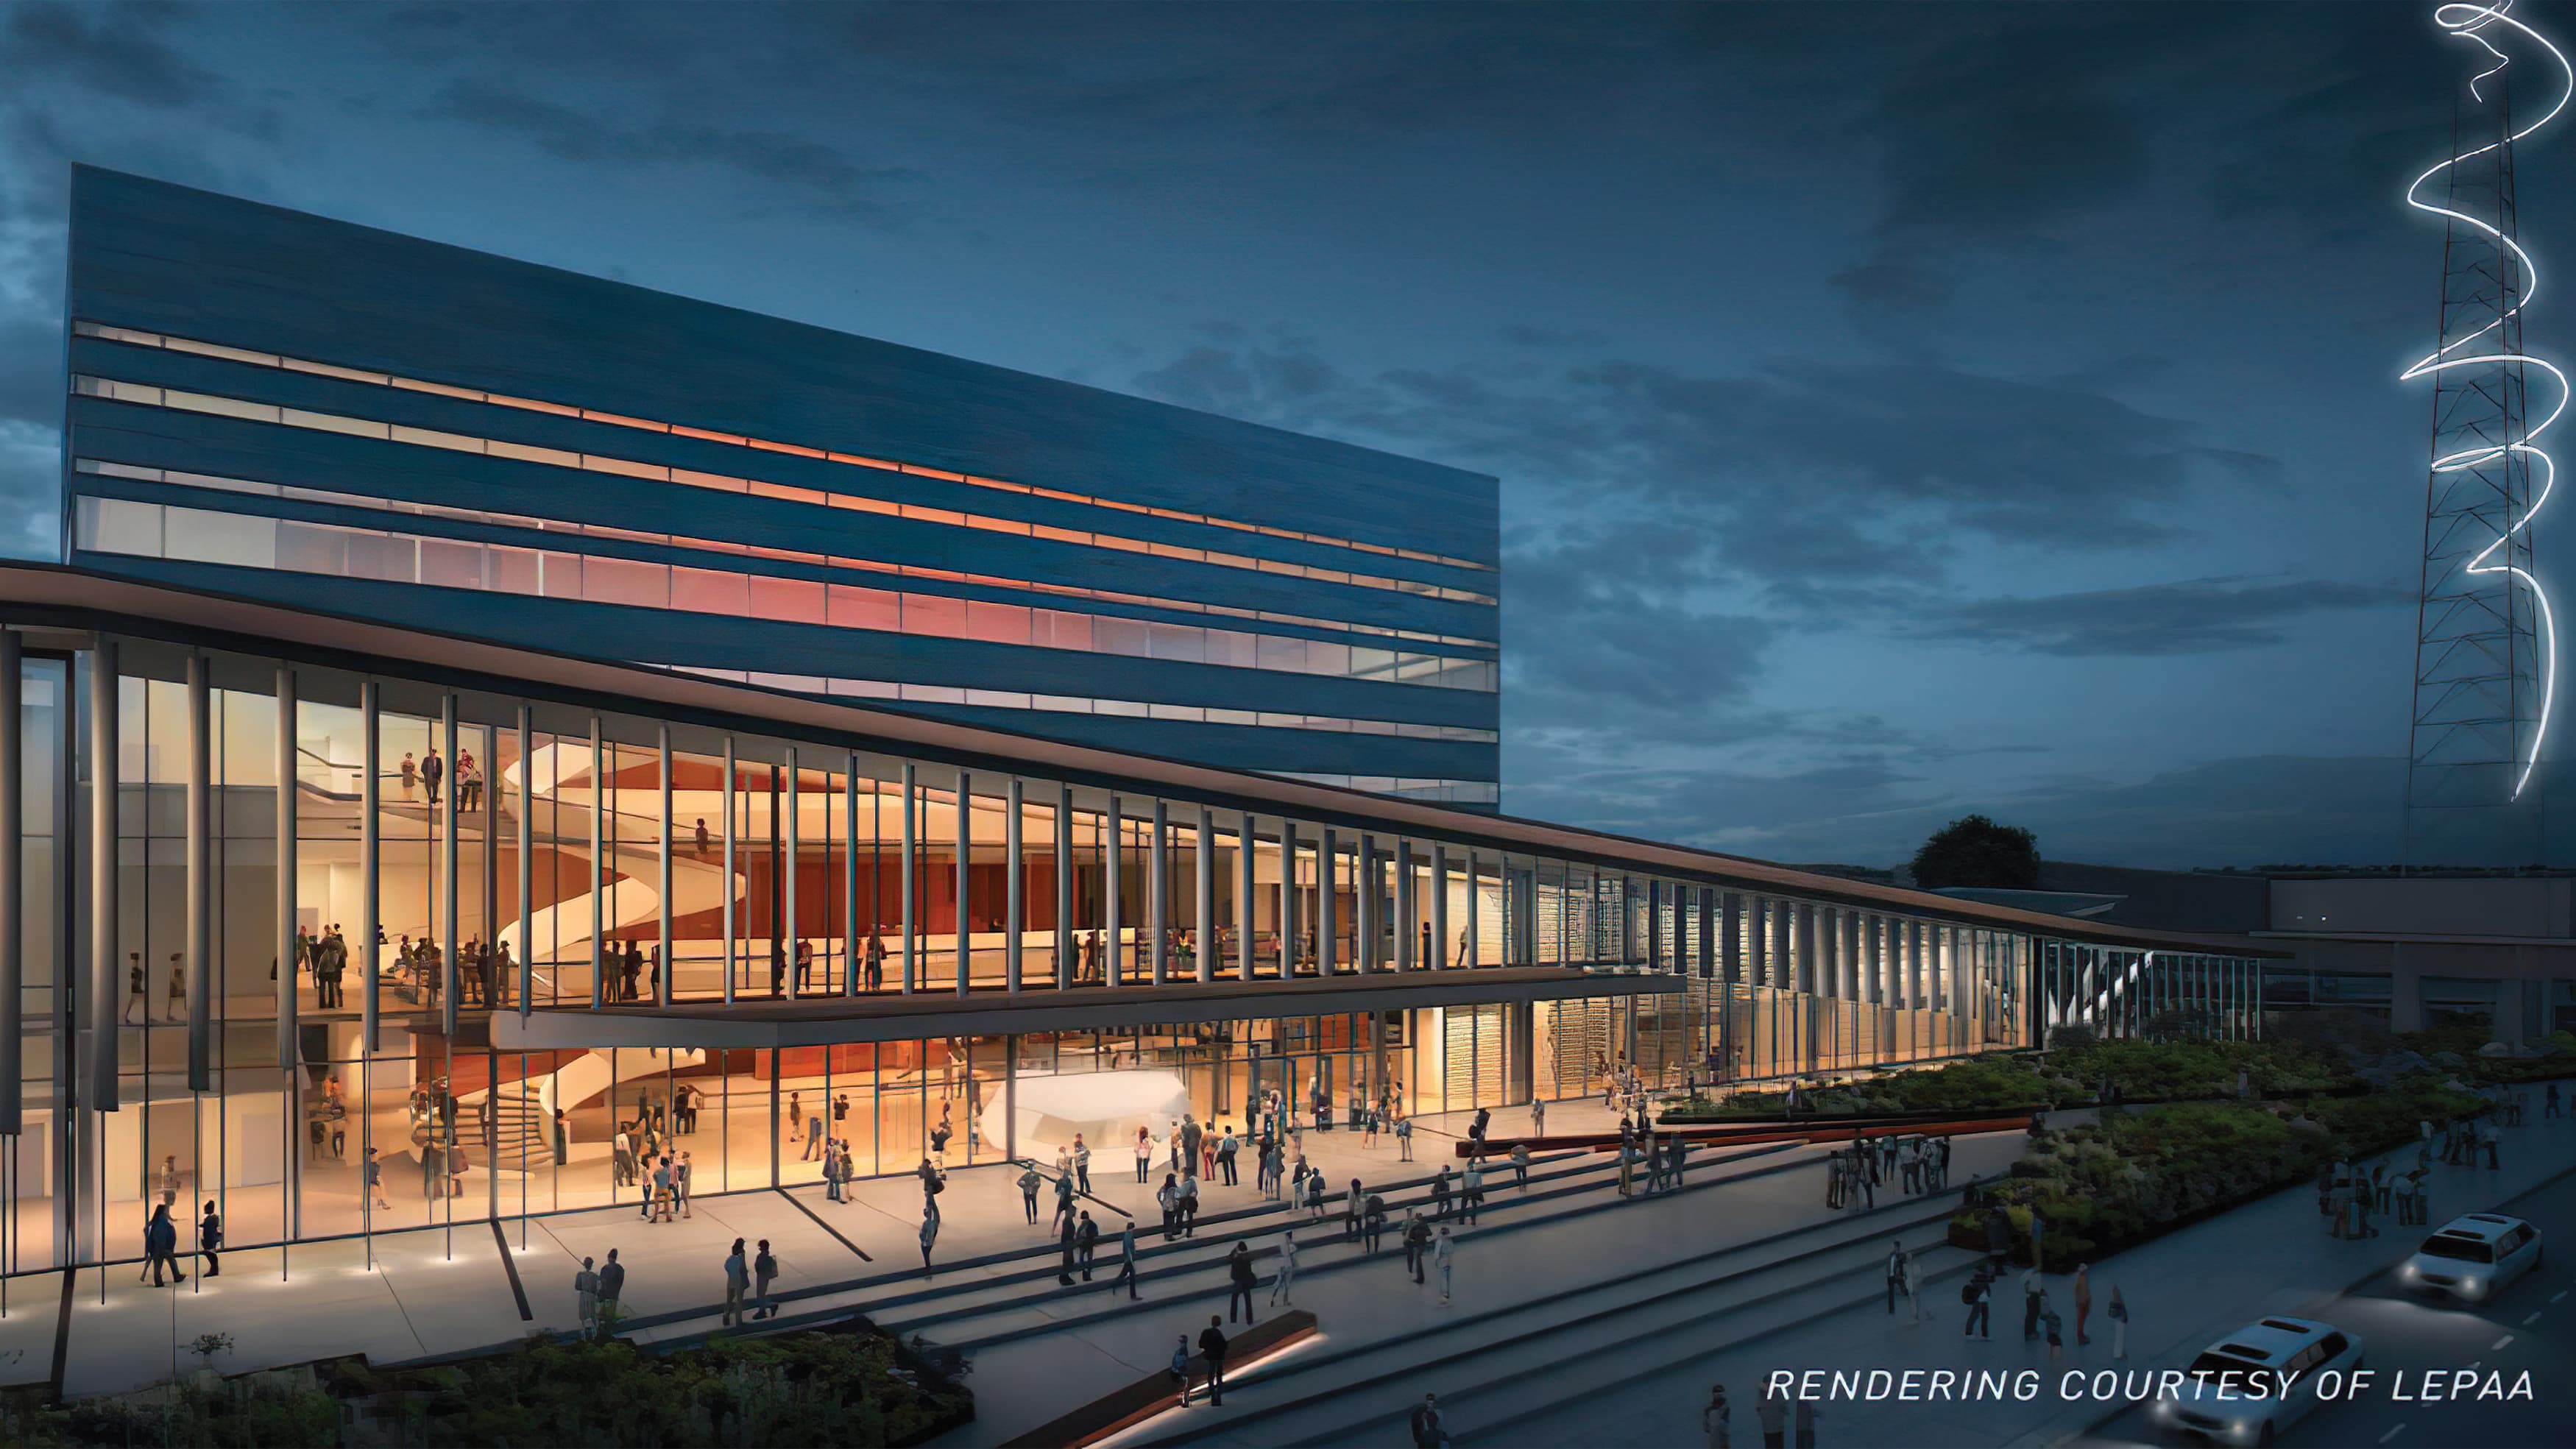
(2182, 1290)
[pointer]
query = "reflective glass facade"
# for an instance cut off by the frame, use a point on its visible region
(288, 902)
(283, 407)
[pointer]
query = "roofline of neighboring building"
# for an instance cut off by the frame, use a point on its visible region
(77, 599)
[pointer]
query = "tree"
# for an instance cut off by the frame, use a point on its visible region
(1974, 851)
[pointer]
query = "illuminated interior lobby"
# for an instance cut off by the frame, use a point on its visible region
(693, 890)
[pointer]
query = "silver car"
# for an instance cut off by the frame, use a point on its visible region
(2215, 1402)
(2473, 1257)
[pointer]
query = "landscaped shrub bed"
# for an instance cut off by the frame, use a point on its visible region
(2001, 1084)
(2111, 1185)
(797, 1389)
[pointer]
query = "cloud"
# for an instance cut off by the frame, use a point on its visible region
(113, 50)
(817, 178)
(1812, 475)
(2193, 616)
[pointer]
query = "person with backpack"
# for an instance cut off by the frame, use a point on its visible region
(1977, 1294)
(1168, 1198)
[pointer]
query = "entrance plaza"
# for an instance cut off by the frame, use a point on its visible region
(363, 893)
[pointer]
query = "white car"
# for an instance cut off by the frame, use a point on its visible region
(2221, 1401)
(2474, 1256)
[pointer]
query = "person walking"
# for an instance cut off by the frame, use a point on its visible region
(1212, 1348)
(1913, 1288)
(1280, 1285)
(210, 1241)
(1895, 1273)
(161, 1246)
(1417, 1238)
(585, 1290)
(612, 1286)
(1538, 1117)
(1713, 1417)
(1520, 1165)
(2033, 1294)
(1425, 1426)
(764, 1271)
(1351, 1202)
(1126, 1261)
(1029, 1184)
(1226, 1147)
(1373, 1221)
(1063, 1202)
(1980, 1296)
(1240, 1281)
(929, 1233)
(737, 1281)
(1471, 1192)
(2118, 1313)
(1067, 1236)
(680, 1181)
(1144, 1152)
(1081, 1165)
(2083, 1303)
(2049, 1324)
(375, 1182)
(1444, 1251)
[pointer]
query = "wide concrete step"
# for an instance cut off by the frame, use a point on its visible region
(1343, 1392)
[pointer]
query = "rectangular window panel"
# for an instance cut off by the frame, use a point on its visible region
(798, 601)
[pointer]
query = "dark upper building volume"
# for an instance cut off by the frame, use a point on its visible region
(272, 404)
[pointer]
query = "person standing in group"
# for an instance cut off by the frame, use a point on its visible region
(680, 1183)
(585, 1289)
(612, 1286)
(1212, 1349)
(1066, 1238)
(1373, 1221)
(737, 1281)
(2033, 1294)
(1980, 1296)
(1802, 1420)
(1713, 1418)
(1126, 1260)
(2118, 1313)
(1279, 1286)
(764, 1271)
(1240, 1281)
(1063, 1203)
(1144, 1152)
(1226, 1148)
(1081, 1165)
(1029, 1184)
(1443, 1251)
(1913, 1288)
(210, 1241)
(432, 770)
(1774, 1416)
(2083, 1302)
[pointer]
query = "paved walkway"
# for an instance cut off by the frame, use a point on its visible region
(2183, 1290)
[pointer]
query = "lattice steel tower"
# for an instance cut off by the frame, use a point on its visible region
(2484, 652)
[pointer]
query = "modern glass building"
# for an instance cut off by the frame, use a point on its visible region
(270, 404)
(249, 945)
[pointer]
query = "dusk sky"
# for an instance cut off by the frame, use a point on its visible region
(1900, 411)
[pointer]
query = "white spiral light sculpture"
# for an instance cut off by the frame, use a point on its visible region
(2476, 24)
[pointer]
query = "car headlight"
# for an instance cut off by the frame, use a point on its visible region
(2472, 1286)
(2409, 1273)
